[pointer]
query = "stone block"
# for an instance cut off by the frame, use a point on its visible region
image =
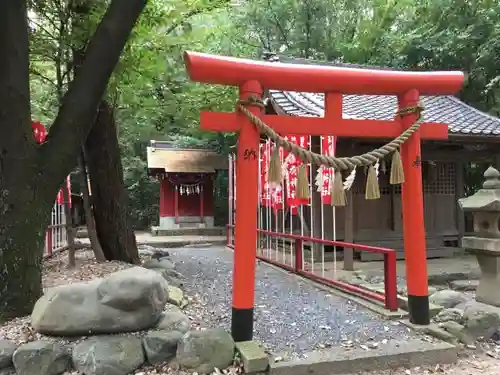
(487, 290)
(253, 356)
(440, 333)
(459, 331)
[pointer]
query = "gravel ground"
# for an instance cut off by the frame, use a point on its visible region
(312, 322)
(469, 364)
(56, 272)
(292, 317)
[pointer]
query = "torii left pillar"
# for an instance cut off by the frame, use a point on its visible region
(249, 75)
(247, 170)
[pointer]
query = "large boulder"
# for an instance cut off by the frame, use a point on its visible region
(161, 346)
(108, 355)
(173, 277)
(125, 301)
(459, 331)
(203, 351)
(447, 298)
(449, 315)
(163, 263)
(7, 349)
(481, 320)
(174, 321)
(41, 358)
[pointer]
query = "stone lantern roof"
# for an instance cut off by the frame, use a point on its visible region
(486, 199)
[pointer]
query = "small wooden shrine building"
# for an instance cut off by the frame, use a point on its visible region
(186, 184)
(474, 137)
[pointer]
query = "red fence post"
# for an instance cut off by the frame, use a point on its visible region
(390, 281)
(298, 255)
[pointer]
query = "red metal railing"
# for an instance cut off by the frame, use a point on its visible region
(389, 298)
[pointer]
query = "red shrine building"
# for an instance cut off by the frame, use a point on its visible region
(187, 179)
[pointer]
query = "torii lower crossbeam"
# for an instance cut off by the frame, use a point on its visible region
(251, 77)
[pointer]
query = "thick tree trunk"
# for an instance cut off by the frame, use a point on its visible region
(30, 175)
(89, 215)
(23, 214)
(109, 197)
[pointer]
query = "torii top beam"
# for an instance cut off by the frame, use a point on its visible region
(232, 71)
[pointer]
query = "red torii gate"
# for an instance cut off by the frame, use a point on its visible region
(251, 76)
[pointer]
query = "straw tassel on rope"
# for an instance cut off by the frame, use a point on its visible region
(274, 176)
(337, 192)
(372, 188)
(397, 171)
(302, 183)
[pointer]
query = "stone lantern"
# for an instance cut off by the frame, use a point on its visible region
(485, 243)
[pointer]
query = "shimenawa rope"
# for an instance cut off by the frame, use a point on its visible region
(337, 163)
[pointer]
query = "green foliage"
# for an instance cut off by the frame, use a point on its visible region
(154, 99)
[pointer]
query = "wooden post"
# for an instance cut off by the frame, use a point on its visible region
(459, 193)
(176, 204)
(413, 219)
(496, 161)
(247, 169)
(349, 231)
(316, 203)
(202, 203)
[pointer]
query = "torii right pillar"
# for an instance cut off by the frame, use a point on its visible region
(412, 200)
(252, 77)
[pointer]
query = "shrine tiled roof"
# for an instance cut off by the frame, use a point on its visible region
(162, 156)
(461, 118)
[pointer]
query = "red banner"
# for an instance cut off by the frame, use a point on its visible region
(328, 145)
(291, 166)
(270, 196)
(265, 189)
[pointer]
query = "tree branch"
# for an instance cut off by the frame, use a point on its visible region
(194, 12)
(43, 77)
(277, 22)
(79, 107)
(44, 30)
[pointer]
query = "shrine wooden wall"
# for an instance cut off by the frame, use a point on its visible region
(188, 205)
(379, 222)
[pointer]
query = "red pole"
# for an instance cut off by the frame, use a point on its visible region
(413, 218)
(247, 172)
(298, 255)
(390, 281)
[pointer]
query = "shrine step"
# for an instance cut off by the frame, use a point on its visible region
(189, 231)
(432, 252)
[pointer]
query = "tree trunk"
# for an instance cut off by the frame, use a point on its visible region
(109, 197)
(23, 214)
(87, 207)
(30, 175)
